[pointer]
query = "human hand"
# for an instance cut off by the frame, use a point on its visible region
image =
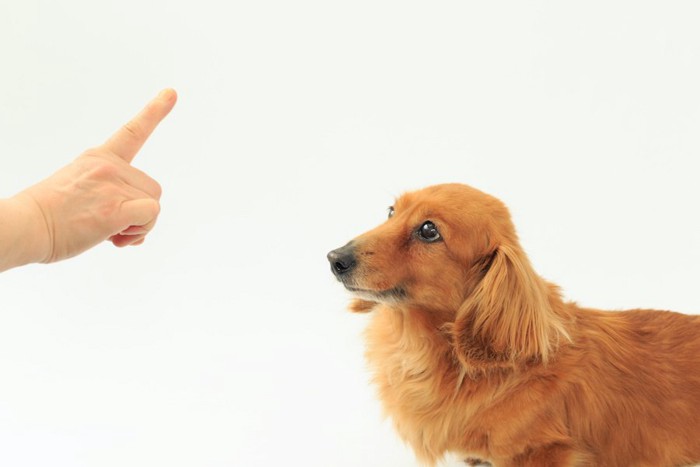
(99, 196)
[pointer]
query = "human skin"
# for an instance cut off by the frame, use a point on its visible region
(99, 196)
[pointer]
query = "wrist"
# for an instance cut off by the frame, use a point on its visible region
(24, 234)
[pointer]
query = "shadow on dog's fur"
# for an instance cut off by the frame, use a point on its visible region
(475, 354)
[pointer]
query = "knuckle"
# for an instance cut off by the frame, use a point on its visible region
(156, 209)
(104, 170)
(133, 129)
(107, 210)
(95, 151)
(157, 190)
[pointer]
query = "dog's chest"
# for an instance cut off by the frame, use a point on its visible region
(416, 378)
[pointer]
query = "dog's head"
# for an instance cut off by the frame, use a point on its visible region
(451, 251)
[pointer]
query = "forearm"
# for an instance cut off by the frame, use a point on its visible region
(22, 232)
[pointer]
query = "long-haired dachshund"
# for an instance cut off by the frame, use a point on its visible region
(475, 354)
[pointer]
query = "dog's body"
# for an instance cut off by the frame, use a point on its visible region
(625, 393)
(474, 354)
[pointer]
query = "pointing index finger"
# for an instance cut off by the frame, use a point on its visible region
(127, 141)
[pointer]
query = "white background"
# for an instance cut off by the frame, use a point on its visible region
(223, 340)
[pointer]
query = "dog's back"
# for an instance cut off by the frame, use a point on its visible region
(633, 386)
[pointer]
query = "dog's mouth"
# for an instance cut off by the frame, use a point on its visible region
(391, 295)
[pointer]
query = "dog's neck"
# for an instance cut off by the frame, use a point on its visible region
(405, 341)
(417, 375)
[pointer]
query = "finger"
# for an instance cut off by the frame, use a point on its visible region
(138, 213)
(127, 141)
(121, 241)
(134, 230)
(142, 182)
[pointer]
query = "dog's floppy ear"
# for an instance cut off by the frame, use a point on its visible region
(511, 316)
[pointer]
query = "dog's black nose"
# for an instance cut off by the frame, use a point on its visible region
(342, 260)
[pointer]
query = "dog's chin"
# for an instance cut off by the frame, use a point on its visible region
(389, 296)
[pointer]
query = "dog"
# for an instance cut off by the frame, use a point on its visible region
(476, 355)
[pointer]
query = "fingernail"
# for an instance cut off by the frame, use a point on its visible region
(166, 94)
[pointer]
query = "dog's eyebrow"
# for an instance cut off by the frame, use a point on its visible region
(429, 214)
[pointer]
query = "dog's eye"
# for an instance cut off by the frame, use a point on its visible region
(428, 232)
(391, 212)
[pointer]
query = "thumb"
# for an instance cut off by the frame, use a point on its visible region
(137, 212)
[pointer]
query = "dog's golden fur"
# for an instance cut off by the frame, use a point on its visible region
(475, 354)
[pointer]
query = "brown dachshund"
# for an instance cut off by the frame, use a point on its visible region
(476, 355)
